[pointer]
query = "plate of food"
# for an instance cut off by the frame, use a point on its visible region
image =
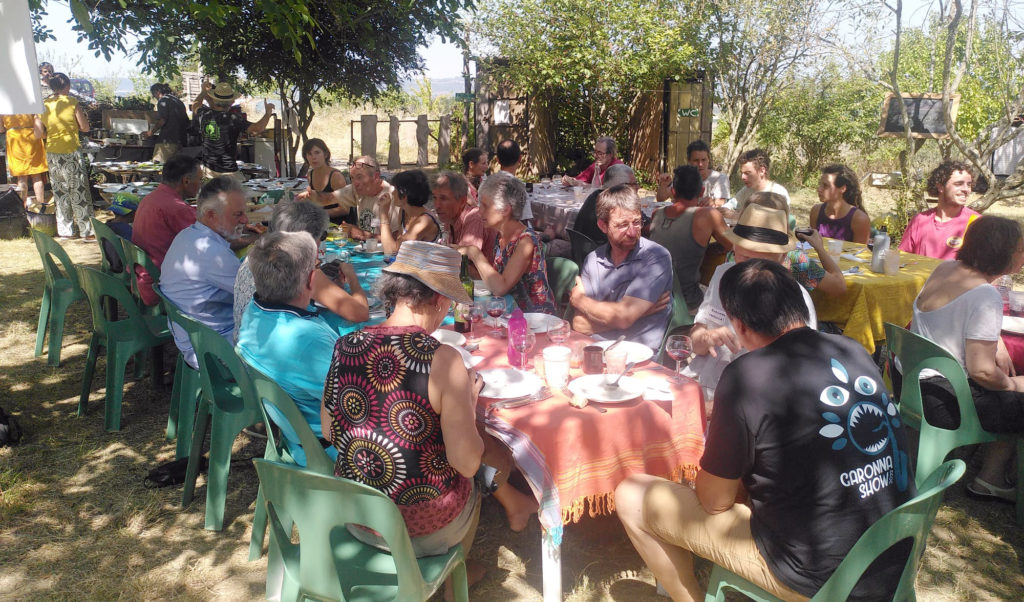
(507, 383)
(595, 388)
(637, 353)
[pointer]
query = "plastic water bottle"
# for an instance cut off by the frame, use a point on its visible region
(516, 324)
(881, 246)
(1004, 284)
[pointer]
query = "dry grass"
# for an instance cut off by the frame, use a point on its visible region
(77, 523)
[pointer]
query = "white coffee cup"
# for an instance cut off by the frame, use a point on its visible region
(556, 365)
(371, 244)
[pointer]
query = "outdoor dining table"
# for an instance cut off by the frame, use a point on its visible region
(873, 299)
(556, 206)
(589, 452)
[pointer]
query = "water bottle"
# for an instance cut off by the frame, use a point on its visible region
(516, 324)
(878, 252)
(1004, 284)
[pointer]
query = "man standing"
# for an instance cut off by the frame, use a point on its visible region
(625, 287)
(220, 126)
(604, 157)
(510, 157)
(364, 194)
(803, 424)
(281, 333)
(685, 229)
(939, 232)
(198, 273)
(754, 165)
(463, 226)
(171, 124)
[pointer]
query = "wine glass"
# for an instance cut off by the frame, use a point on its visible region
(477, 311)
(559, 333)
(495, 308)
(679, 348)
(523, 342)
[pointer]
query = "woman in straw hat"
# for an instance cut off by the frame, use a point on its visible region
(400, 408)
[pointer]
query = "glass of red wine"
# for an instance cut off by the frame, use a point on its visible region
(495, 309)
(477, 311)
(679, 348)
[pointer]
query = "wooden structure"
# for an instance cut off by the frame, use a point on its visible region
(368, 140)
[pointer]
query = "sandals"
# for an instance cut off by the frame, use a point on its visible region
(984, 490)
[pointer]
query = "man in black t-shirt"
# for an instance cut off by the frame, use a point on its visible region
(220, 127)
(171, 124)
(804, 426)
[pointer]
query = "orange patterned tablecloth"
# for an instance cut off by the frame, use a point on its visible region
(589, 453)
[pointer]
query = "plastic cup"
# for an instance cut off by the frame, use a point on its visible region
(577, 192)
(556, 366)
(892, 261)
(1017, 303)
(835, 249)
(614, 364)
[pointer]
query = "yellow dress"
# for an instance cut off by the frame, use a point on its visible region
(26, 155)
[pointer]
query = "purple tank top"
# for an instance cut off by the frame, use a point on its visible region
(841, 228)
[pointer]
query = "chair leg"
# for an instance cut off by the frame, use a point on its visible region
(44, 321)
(1020, 481)
(56, 334)
(90, 369)
(195, 452)
(117, 364)
(460, 582)
(157, 356)
(221, 440)
(259, 527)
(186, 417)
(176, 391)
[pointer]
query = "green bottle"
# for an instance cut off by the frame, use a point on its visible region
(462, 323)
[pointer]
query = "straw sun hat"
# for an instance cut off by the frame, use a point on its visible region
(436, 266)
(223, 93)
(762, 230)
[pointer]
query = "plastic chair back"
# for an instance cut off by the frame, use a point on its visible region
(137, 259)
(562, 274)
(60, 290)
(60, 272)
(100, 288)
(112, 259)
(679, 317)
(328, 562)
(917, 353)
(581, 245)
(911, 520)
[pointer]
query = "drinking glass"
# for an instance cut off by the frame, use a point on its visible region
(495, 308)
(523, 342)
(559, 333)
(679, 348)
(477, 311)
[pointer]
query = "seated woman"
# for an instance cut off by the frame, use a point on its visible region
(474, 166)
(519, 268)
(325, 182)
(840, 214)
(401, 409)
(411, 194)
(962, 312)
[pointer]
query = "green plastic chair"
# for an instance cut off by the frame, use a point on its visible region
(679, 317)
(917, 353)
(581, 245)
(112, 260)
(228, 404)
(328, 563)
(181, 416)
(137, 259)
(913, 520)
(317, 460)
(562, 274)
(121, 338)
(59, 292)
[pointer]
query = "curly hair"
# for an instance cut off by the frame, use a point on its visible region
(938, 178)
(844, 176)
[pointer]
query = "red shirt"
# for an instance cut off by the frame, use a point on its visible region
(468, 229)
(159, 218)
(587, 175)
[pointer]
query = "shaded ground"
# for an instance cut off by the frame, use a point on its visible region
(76, 521)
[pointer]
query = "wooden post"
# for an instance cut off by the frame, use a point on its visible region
(422, 136)
(444, 141)
(368, 135)
(394, 145)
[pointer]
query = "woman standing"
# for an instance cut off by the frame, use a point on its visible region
(840, 214)
(26, 155)
(61, 121)
(519, 268)
(411, 194)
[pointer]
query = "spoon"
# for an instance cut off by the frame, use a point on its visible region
(615, 384)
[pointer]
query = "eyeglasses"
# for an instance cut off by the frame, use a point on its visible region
(625, 226)
(365, 164)
(598, 153)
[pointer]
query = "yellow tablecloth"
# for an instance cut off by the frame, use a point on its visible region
(872, 299)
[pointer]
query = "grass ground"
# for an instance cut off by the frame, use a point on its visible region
(77, 523)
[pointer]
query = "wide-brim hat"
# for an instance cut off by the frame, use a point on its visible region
(436, 266)
(762, 230)
(223, 93)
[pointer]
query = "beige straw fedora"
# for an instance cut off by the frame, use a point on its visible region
(223, 93)
(762, 230)
(436, 266)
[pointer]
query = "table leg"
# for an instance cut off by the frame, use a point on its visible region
(551, 568)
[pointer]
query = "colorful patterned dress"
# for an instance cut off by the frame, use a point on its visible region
(532, 293)
(387, 434)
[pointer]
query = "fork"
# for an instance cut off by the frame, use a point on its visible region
(517, 402)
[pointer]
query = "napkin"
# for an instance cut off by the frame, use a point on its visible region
(658, 389)
(852, 257)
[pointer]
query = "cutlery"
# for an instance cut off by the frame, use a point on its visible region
(617, 341)
(615, 383)
(517, 402)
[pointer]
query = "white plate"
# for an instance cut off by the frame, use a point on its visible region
(480, 289)
(506, 383)
(635, 352)
(362, 250)
(1013, 324)
(449, 337)
(593, 387)
(541, 323)
(468, 359)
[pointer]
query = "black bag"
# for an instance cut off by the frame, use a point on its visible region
(10, 430)
(171, 473)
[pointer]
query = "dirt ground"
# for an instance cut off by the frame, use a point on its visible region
(76, 521)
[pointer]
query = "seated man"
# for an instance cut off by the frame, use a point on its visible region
(281, 334)
(779, 433)
(625, 287)
(362, 196)
(586, 217)
(685, 229)
(715, 184)
(754, 165)
(939, 232)
(307, 216)
(761, 233)
(462, 223)
(198, 273)
(604, 158)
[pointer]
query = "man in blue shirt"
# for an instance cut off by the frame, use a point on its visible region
(281, 334)
(625, 287)
(198, 272)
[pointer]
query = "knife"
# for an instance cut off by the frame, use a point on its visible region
(517, 402)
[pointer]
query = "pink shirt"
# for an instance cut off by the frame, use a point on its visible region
(159, 218)
(926, 236)
(587, 175)
(468, 229)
